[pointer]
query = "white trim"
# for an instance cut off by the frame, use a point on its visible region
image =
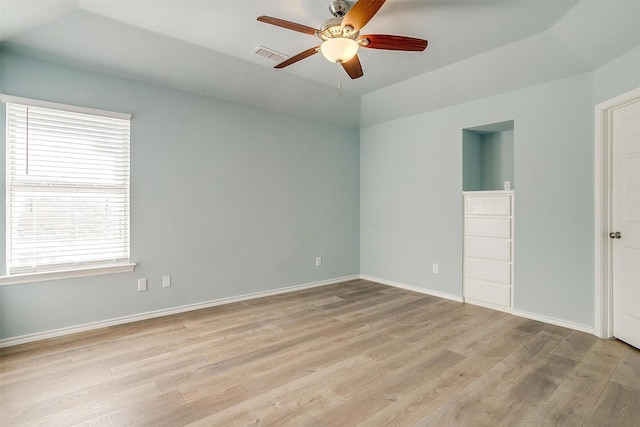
(551, 320)
(486, 304)
(23, 339)
(66, 107)
(431, 292)
(602, 288)
(488, 192)
(554, 321)
(17, 279)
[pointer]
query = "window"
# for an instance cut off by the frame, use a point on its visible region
(67, 187)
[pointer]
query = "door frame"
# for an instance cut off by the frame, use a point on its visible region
(603, 212)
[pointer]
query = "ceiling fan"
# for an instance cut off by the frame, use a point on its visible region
(341, 37)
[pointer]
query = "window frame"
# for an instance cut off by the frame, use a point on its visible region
(80, 270)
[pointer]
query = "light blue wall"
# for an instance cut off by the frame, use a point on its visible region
(617, 77)
(497, 160)
(471, 160)
(227, 199)
(231, 199)
(411, 202)
(411, 181)
(487, 160)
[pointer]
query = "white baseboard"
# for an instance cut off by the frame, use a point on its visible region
(484, 304)
(413, 288)
(554, 321)
(541, 318)
(23, 339)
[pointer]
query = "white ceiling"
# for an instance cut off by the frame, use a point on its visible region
(204, 46)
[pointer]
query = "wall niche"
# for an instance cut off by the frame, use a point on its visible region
(488, 157)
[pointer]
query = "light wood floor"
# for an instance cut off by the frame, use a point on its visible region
(354, 353)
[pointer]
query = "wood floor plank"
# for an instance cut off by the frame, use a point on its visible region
(131, 413)
(572, 401)
(524, 399)
(14, 394)
(628, 370)
(432, 394)
(70, 408)
(493, 386)
(380, 391)
(618, 406)
(562, 409)
(347, 354)
(259, 401)
(575, 345)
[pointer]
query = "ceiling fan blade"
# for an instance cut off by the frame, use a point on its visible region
(299, 57)
(389, 42)
(288, 25)
(353, 68)
(361, 13)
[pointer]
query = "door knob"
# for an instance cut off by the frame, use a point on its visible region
(615, 235)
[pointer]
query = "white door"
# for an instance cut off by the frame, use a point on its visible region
(626, 222)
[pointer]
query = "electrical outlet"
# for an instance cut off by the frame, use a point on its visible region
(142, 285)
(434, 268)
(318, 261)
(166, 281)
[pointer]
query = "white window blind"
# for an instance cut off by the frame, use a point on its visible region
(67, 188)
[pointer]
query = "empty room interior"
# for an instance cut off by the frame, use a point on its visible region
(320, 213)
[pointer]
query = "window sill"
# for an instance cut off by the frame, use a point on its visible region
(17, 279)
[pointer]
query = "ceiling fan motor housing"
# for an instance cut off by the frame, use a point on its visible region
(339, 8)
(332, 28)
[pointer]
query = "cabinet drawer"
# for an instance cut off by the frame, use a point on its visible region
(489, 227)
(481, 247)
(491, 293)
(489, 205)
(492, 271)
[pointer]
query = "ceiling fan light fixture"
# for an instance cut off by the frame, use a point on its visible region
(340, 35)
(339, 49)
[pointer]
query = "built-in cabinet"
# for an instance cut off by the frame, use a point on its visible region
(488, 183)
(488, 248)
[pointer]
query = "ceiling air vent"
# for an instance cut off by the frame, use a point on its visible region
(271, 54)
